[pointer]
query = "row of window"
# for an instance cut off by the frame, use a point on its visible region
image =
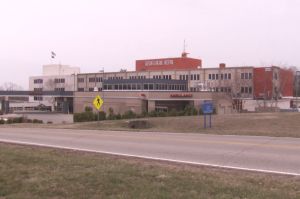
(115, 77)
(59, 89)
(219, 76)
(162, 77)
(222, 89)
(246, 75)
(55, 89)
(138, 77)
(95, 79)
(145, 87)
(38, 89)
(38, 81)
(192, 77)
(38, 98)
(247, 90)
(224, 76)
(59, 80)
(80, 80)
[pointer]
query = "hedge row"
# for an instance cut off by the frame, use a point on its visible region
(20, 120)
(88, 115)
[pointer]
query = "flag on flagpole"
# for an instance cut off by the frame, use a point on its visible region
(53, 54)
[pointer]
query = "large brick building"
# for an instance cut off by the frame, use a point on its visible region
(184, 76)
(273, 83)
(168, 83)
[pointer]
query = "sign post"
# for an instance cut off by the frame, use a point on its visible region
(207, 109)
(98, 102)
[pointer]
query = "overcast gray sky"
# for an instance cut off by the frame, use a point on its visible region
(114, 33)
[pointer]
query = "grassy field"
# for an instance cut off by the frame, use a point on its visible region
(31, 172)
(263, 124)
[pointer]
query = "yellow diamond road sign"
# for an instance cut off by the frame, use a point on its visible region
(98, 102)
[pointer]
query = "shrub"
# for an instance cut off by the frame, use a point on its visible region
(118, 116)
(88, 116)
(173, 112)
(83, 117)
(18, 120)
(190, 110)
(101, 115)
(111, 115)
(88, 109)
(28, 120)
(9, 121)
(162, 114)
(36, 121)
(129, 115)
(153, 114)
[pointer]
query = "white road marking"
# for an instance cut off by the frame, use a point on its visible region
(150, 158)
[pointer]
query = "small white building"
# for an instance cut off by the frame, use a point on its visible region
(55, 77)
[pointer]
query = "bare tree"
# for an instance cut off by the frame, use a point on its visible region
(50, 86)
(10, 86)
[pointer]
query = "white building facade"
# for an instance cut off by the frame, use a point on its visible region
(55, 77)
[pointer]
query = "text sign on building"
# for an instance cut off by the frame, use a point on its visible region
(181, 95)
(207, 108)
(159, 62)
(98, 102)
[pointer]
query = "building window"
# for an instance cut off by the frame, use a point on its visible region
(57, 81)
(229, 75)
(80, 80)
(91, 89)
(59, 89)
(198, 77)
(242, 75)
(217, 76)
(145, 86)
(246, 90)
(80, 89)
(192, 78)
(222, 76)
(246, 75)
(250, 75)
(98, 79)
(91, 79)
(225, 76)
(38, 89)
(38, 98)
(38, 81)
(213, 76)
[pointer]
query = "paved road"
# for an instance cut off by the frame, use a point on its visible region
(265, 154)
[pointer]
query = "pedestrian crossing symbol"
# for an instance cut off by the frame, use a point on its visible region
(98, 102)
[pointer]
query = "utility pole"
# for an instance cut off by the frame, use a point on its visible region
(297, 87)
(102, 85)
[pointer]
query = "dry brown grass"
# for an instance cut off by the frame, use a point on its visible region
(33, 172)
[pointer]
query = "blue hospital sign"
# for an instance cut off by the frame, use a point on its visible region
(207, 108)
